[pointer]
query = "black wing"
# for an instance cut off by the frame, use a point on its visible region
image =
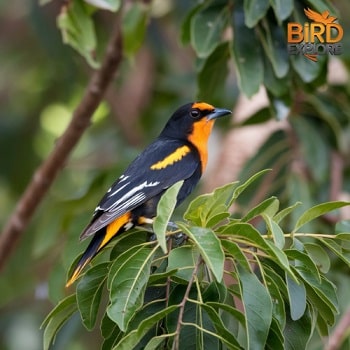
(140, 182)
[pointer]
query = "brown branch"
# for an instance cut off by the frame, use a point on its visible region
(48, 170)
(336, 339)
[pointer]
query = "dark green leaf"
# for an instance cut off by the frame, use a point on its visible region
(282, 9)
(297, 298)
(165, 208)
(258, 309)
(247, 55)
(212, 77)
(186, 24)
(298, 333)
(89, 292)
(254, 11)
(259, 117)
(207, 26)
(319, 256)
(134, 337)
(183, 259)
(56, 319)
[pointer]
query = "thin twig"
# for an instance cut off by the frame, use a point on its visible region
(182, 305)
(48, 170)
(336, 339)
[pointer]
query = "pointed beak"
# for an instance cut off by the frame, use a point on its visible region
(218, 113)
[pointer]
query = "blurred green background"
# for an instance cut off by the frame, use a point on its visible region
(42, 81)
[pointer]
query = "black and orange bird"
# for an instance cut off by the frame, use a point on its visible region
(180, 152)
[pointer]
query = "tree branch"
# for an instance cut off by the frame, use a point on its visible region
(336, 339)
(48, 170)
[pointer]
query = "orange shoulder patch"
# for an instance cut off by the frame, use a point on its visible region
(172, 158)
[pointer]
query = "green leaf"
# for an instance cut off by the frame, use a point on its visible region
(89, 293)
(183, 259)
(275, 231)
(258, 308)
(56, 319)
(260, 117)
(134, 337)
(155, 342)
(224, 335)
(282, 8)
(254, 11)
(165, 209)
(306, 69)
(278, 303)
(239, 189)
(336, 249)
(186, 24)
(284, 212)
(317, 211)
(247, 55)
(78, 30)
(207, 207)
(234, 250)
(128, 280)
(297, 298)
(313, 146)
(318, 256)
(134, 27)
(269, 206)
(209, 247)
(212, 77)
(207, 26)
(275, 47)
(297, 333)
(110, 5)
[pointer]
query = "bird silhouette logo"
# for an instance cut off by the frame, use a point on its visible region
(323, 17)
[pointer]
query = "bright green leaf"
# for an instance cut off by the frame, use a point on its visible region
(134, 27)
(78, 30)
(317, 211)
(209, 247)
(165, 208)
(268, 206)
(275, 231)
(236, 253)
(129, 276)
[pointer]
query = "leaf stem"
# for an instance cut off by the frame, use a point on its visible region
(176, 344)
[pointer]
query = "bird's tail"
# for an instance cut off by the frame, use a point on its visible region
(93, 248)
(100, 239)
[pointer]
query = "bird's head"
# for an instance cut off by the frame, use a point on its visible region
(194, 119)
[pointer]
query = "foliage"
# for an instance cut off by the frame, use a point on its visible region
(228, 47)
(229, 285)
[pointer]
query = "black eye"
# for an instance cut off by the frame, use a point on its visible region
(195, 113)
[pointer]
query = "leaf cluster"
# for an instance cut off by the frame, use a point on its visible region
(228, 285)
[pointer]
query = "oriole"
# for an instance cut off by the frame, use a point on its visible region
(179, 153)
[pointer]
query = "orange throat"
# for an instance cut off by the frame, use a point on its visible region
(199, 138)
